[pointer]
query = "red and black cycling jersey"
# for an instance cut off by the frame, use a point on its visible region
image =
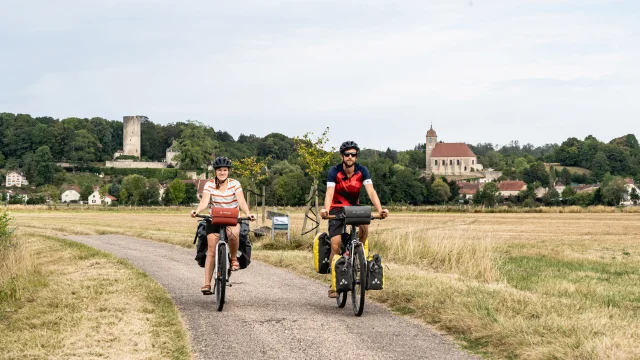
(347, 189)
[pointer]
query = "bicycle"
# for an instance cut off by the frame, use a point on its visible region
(353, 251)
(222, 267)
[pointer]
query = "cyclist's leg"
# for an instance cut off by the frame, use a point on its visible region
(363, 233)
(212, 239)
(336, 227)
(233, 238)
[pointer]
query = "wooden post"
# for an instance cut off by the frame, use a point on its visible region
(315, 190)
(263, 198)
(304, 223)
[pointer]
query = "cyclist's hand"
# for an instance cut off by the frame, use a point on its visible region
(384, 213)
(252, 217)
(193, 213)
(324, 213)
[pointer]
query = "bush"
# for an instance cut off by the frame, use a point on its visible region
(162, 175)
(36, 200)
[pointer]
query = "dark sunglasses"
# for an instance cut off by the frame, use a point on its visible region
(352, 154)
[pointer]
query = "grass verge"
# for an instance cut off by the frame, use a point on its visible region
(78, 302)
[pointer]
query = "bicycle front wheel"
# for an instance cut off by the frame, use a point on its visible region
(359, 281)
(221, 276)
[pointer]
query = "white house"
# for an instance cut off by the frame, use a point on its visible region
(71, 194)
(16, 178)
(630, 186)
(94, 198)
(109, 199)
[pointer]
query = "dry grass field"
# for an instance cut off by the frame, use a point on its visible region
(530, 286)
(63, 300)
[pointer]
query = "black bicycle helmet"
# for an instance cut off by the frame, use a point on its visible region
(222, 161)
(348, 145)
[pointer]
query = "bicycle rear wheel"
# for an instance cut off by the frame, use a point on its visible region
(359, 281)
(221, 276)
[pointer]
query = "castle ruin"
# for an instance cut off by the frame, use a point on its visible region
(131, 134)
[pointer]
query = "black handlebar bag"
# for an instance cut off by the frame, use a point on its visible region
(357, 215)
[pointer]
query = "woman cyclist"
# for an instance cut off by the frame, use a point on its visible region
(222, 192)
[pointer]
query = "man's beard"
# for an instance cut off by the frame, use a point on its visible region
(344, 164)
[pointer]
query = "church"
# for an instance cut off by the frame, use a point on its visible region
(449, 158)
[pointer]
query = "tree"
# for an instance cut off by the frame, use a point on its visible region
(441, 191)
(44, 167)
(190, 194)
(85, 192)
(175, 192)
(567, 193)
(613, 190)
(600, 165)
(315, 157)
(536, 173)
(104, 191)
(2, 160)
(489, 194)
(565, 176)
(195, 146)
(551, 198)
(82, 147)
(251, 169)
(135, 186)
(152, 193)
(52, 192)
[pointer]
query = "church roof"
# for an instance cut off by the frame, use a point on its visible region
(452, 150)
(431, 132)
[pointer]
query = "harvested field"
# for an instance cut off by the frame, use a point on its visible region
(532, 286)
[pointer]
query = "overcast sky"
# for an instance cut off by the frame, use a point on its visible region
(376, 72)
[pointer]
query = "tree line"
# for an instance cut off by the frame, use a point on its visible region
(35, 144)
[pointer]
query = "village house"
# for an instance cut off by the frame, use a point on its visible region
(72, 193)
(16, 178)
(511, 188)
(469, 189)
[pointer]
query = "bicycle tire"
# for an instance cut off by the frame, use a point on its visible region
(221, 276)
(341, 300)
(358, 287)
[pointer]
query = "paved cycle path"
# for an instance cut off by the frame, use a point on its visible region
(273, 314)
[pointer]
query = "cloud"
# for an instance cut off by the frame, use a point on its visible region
(379, 70)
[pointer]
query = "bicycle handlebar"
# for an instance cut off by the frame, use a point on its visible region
(208, 217)
(374, 217)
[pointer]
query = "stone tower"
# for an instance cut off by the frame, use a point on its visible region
(131, 134)
(432, 140)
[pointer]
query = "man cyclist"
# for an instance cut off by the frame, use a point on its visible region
(343, 189)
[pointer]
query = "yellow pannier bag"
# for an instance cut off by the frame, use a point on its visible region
(321, 253)
(340, 274)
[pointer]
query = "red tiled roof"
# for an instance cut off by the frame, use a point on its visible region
(467, 188)
(512, 185)
(111, 197)
(629, 181)
(587, 187)
(452, 150)
(72, 187)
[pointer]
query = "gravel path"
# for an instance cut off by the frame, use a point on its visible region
(273, 314)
